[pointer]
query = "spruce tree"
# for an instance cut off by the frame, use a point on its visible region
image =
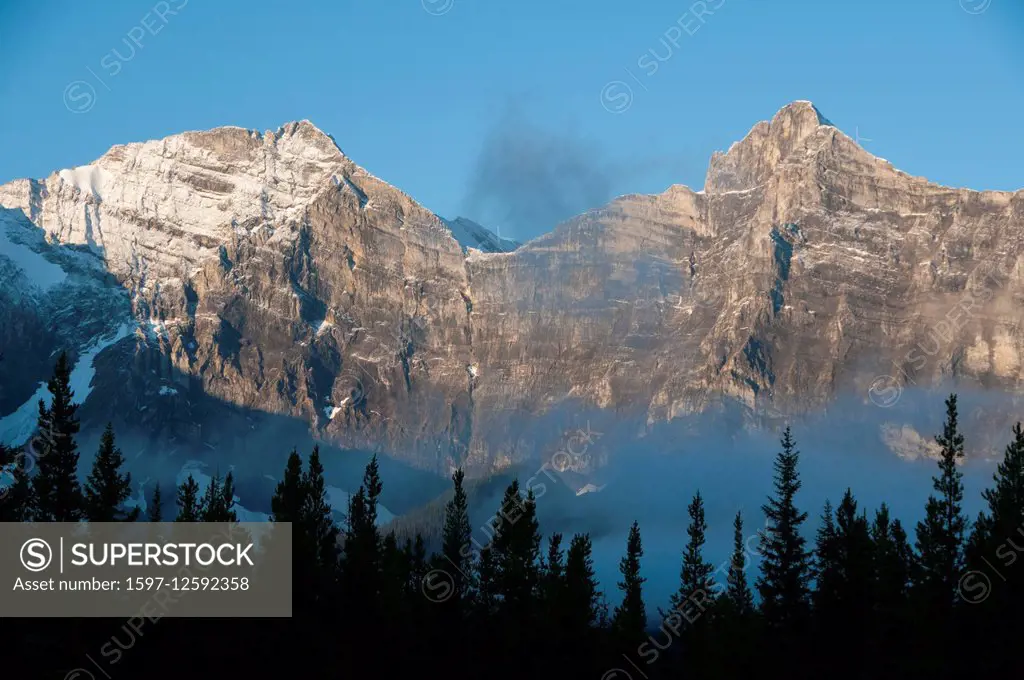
(154, 509)
(394, 576)
(219, 500)
(287, 505)
(827, 577)
(553, 576)
(737, 589)
(107, 488)
(15, 491)
(697, 586)
(734, 624)
(290, 494)
(456, 546)
(940, 535)
(188, 501)
(694, 600)
(55, 488)
(486, 583)
(892, 569)
(996, 544)
(581, 593)
(361, 556)
(856, 592)
(785, 566)
(317, 524)
(630, 618)
(516, 547)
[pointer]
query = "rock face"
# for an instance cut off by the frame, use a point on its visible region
(270, 272)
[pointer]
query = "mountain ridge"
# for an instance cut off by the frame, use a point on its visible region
(271, 271)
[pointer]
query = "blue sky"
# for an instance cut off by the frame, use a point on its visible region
(498, 109)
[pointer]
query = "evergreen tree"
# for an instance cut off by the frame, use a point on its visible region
(288, 505)
(734, 624)
(361, 563)
(581, 593)
(516, 548)
(892, 563)
(893, 558)
(856, 593)
(785, 566)
(290, 494)
(189, 504)
(456, 546)
(316, 522)
(697, 586)
(737, 590)
(940, 536)
(394, 578)
(107, 488)
(486, 583)
(55, 487)
(219, 500)
(553, 576)
(827, 577)
(154, 509)
(15, 491)
(554, 638)
(630, 618)
(694, 600)
(994, 622)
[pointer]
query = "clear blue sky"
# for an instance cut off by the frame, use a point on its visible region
(493, 108)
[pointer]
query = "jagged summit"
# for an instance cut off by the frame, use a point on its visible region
(751, 160)
(803, 104)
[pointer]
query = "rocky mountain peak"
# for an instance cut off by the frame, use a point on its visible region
(749, 162)
(269, 272)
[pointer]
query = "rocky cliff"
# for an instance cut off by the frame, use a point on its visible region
(270, 272)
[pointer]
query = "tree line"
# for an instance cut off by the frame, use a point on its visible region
(858, 597)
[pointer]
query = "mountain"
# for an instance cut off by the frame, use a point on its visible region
(213, 284)
(471, 235)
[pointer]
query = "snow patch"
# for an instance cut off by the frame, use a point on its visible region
(16, 428)
(590, 488)
(166, 391)
(40, 272)
(89, 179)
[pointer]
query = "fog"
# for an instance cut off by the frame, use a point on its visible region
(650, 478)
